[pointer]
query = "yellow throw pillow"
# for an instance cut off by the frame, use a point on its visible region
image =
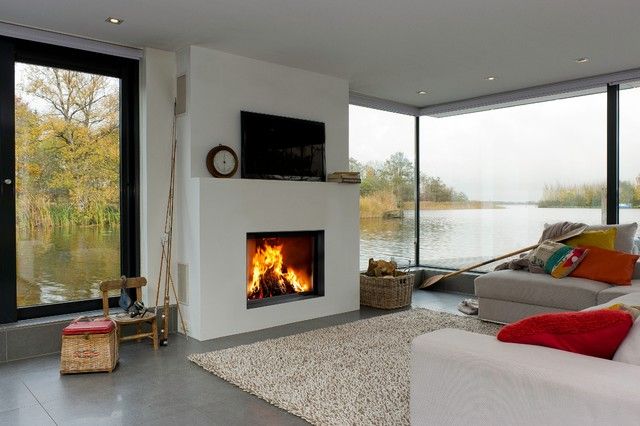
(604, 239)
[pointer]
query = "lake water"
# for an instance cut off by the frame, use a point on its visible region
(65, 264)
(455, 238)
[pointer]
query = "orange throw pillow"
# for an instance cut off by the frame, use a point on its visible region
(612, 267)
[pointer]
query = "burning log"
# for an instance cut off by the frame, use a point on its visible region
(270, 277)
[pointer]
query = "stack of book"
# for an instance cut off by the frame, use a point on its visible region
(344, 177)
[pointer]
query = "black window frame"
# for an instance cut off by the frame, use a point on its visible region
(126, 70)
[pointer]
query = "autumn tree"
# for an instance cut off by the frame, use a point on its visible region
(67, 148)
(397, 172)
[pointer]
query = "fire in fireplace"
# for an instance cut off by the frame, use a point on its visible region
(284, 266)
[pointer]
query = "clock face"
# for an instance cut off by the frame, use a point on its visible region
(224, 162)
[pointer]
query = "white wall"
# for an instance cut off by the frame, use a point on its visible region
(213, 215)
(223, 84)
(187, 208)
(157, 91)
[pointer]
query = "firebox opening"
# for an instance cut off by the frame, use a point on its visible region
(284, 266)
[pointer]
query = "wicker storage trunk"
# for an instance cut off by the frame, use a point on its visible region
(89, 353)
(386, 292)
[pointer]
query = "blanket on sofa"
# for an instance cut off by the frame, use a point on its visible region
(523, 263)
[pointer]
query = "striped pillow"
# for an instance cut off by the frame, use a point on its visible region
(557, 259)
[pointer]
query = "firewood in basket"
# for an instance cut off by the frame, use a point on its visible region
(381, 268)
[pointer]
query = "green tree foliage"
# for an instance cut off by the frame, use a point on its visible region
(433, 189)
(588, 195)
(67, 149)
(398, 175)
(395, 178)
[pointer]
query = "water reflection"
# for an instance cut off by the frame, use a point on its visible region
(456, 238)
(66, 263)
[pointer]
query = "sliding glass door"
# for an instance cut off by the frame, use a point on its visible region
(68, 179)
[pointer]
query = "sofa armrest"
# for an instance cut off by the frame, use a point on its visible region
(458, 377)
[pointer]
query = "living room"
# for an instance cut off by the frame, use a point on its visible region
(288, 212)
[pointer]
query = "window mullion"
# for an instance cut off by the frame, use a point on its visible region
(417, 197)
(613, 153)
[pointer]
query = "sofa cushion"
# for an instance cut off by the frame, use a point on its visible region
(631, 299)
(505, 312)
(629, 350)
(615, 291)
(464, 378)
(569, 293)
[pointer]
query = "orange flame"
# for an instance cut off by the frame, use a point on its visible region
(269, 276)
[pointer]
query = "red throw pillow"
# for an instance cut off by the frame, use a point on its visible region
(608, 266)
(595, 333)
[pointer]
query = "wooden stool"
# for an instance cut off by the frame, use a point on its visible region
(125, 319)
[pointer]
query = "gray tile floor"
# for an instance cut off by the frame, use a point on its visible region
(160, 387)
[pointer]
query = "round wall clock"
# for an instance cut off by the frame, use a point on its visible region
(222, 162)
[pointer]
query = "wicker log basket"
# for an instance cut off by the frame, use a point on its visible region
(390, 289)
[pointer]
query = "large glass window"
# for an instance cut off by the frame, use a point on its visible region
(382, 149)
(68, 194)
(629, 155)
(67, 183)
(490, 180)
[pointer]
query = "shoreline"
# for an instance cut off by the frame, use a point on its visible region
(461, 205)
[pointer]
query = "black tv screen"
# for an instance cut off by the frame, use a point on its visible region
(283, 148)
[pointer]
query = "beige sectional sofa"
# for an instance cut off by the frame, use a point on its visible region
(507, 296)
(463, 378)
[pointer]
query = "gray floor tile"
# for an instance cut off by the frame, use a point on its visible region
(161, 387)
(248, 410)
(33, 415)
(14, 394)
(439, 301)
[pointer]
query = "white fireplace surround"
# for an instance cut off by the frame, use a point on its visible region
(215, 215)
(231, 208)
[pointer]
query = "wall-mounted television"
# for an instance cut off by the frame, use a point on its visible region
(275, 147)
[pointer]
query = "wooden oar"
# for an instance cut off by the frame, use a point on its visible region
(437, 278)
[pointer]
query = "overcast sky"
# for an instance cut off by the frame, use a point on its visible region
(506, 154)
(35, 103)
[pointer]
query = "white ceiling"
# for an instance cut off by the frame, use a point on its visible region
(385, 48)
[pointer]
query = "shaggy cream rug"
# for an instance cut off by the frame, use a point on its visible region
(351, 374)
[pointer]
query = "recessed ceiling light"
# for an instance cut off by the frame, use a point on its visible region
(112, 20)
(421, 92)
(490, 78)
(582, 60)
